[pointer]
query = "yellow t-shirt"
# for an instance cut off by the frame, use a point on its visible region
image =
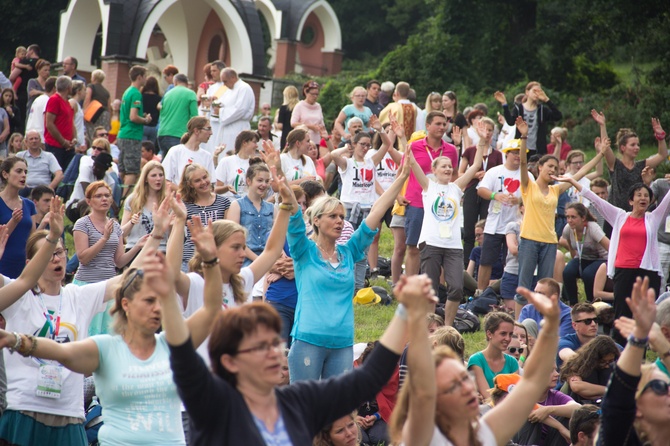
(539, 219)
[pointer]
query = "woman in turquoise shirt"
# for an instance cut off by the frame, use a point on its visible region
(323, 331)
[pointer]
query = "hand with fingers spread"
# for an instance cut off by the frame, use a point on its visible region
(161, 215)
(547, 306)
(521, 126)
(658, 128)
(456, 135)
(598, 117)
(642, 304)
(500, 97)
(375, 123)
(178, 207)
(270, 155)
(398, 129)
(203, 238)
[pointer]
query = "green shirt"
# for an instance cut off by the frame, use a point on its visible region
(132, 98)
(662, 367)
(179, 105)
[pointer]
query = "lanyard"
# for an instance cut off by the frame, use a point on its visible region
(485, 160)
(578, 245)
(53, 328)
(430, 155)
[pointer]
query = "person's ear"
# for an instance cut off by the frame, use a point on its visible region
(228, 362)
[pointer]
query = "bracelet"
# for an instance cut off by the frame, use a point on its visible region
(210, 263)
(493, 195)
(157, 237)
(523, 137)
(33, 347)
(286, 207)
(376, 415)
(401, 312)
(17, 344)
(660, 136)
(639, 343)
(53, 242)
(215, 116)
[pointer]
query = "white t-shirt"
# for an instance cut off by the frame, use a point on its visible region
(499, 179)
(575, 196)
(232, 171)
(358, 182)
(441, 219)
(87, 162)
(386, 169)
(196, 299)
(294, 170)
(86, 176)
(180, 156)
(36, 115)
(26, 316)
(484, 435)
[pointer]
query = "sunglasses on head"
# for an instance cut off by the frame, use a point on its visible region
(588, 320)
(658, 386)
(515, 349)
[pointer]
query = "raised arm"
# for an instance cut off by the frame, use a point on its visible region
(388, 197)
(662, 154)
(586, 168)
(338, 156)
(386, 142)
(420, 424)
(339, 123)
(200, 323)
(175, 248)
(482, 147)
(600, 119)
(10, 293)
(275, 244)
(522, 128)
(507, 417)
(421, 177)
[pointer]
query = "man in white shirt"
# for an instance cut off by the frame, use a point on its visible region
(36, 114)
(43, 168)
(236, 110)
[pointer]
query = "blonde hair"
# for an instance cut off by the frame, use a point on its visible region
(562, 132)
(19, 50)
(187, 192)
(450, 337)
(323, 205)
(401, 411)
(356, 89)
(141, 192)
(104, 142)
(429, 99)
(131, 282)
(291, 97)
(98, 76)
(322, 438)
(223, 230)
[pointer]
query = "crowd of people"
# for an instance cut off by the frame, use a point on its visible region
(209, 295)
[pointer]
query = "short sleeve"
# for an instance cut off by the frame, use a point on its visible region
(80, 225)
(476, 360)
(90, 298)
(596, 231)
(248, 282)
(566, 233)
(53, 163)
(488, 180)
(512, 228)
(103, 342)
(32, 210)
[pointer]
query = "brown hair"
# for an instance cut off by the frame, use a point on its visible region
(623, 135)
(323, 438)
(546, 158)
(31, 244)
(244, 136)
(581, 307)
(188, 193)
(195, 123)
(493, 320)
(587, 359)
(434, 114)
(230, 328)
(222, 230)
(581, 211)
(600, 182)
(41, 63)
(256, 165)
(293, 137)
(131, 282)
(136, 71)
(8, 164)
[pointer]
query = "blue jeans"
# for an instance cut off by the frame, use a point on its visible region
(165, 143)
(532, 254)
(307, 361)
(287, 315)
(586, 270)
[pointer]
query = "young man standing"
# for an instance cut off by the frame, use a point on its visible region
(372, 99)
(60, 135)
(132, 119)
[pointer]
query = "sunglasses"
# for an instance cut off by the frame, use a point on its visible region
(658, 386)
(588, 321)
(133, 275)
(514, 350)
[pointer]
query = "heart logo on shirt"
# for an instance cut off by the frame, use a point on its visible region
(511, 185)
(391, 164)
(367, 174)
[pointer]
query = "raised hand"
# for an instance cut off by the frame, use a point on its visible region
(374, 123)
(57, 211)
(521, 126)
(656, 125)
(547, 306)
(405, 167)
(642, 304)
(480, 127)
(648, 175)
(323, 132)
(415, 293)
(270, 155)
(397, 128)
(456, 135)
(202, 237)
(598, 117)
(500, 97)
(109, 227)
(178, 207)
(219, 149)
(541, 95)
(161, 214)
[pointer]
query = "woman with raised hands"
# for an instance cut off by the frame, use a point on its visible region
(131, 367)
(240, 400)
(636, 406)
(39, 412)
(450, 415)
(323, 331)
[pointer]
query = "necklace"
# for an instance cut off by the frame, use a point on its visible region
(329, 256)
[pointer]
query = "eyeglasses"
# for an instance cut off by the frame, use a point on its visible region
(59, 254)
(101, 196)
(133, 275)
(365, 145)
(658, 386)
(466, 378)
(577, 163)
(100, 135)
(101, 149)
(207, 129)
(313, 93)
(515, 349)
(479, 235)
(277, 344)
(588, 321)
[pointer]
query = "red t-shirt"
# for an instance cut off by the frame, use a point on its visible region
(490, 160)
(64, 119)
(632, 243)
(565, 149)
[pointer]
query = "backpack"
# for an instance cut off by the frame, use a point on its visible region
(466, 321)
(93, 421)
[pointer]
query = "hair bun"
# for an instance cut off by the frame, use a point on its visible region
(255, 160)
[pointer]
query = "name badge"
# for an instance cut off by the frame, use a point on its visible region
(497, 207)
(445, 230)
(667, 224)
(50, 381)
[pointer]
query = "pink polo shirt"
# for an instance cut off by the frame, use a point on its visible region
(424, 155)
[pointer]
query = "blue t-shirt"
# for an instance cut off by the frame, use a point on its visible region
(284, 290)
(496, 269)
(478, 359)
(566, 328)
(351, 111)
(139, 398)
(324, 314)
(14, 258)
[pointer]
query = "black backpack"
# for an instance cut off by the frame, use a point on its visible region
(466, 321)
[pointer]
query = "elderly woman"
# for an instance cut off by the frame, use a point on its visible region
(355, 109)
(131, 367)
(97, 96)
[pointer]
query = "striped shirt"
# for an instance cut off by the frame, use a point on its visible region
(102, 266)
(215, 211)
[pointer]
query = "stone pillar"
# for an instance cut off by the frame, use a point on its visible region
(286, 56)
(116, 70)
(332, 62)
